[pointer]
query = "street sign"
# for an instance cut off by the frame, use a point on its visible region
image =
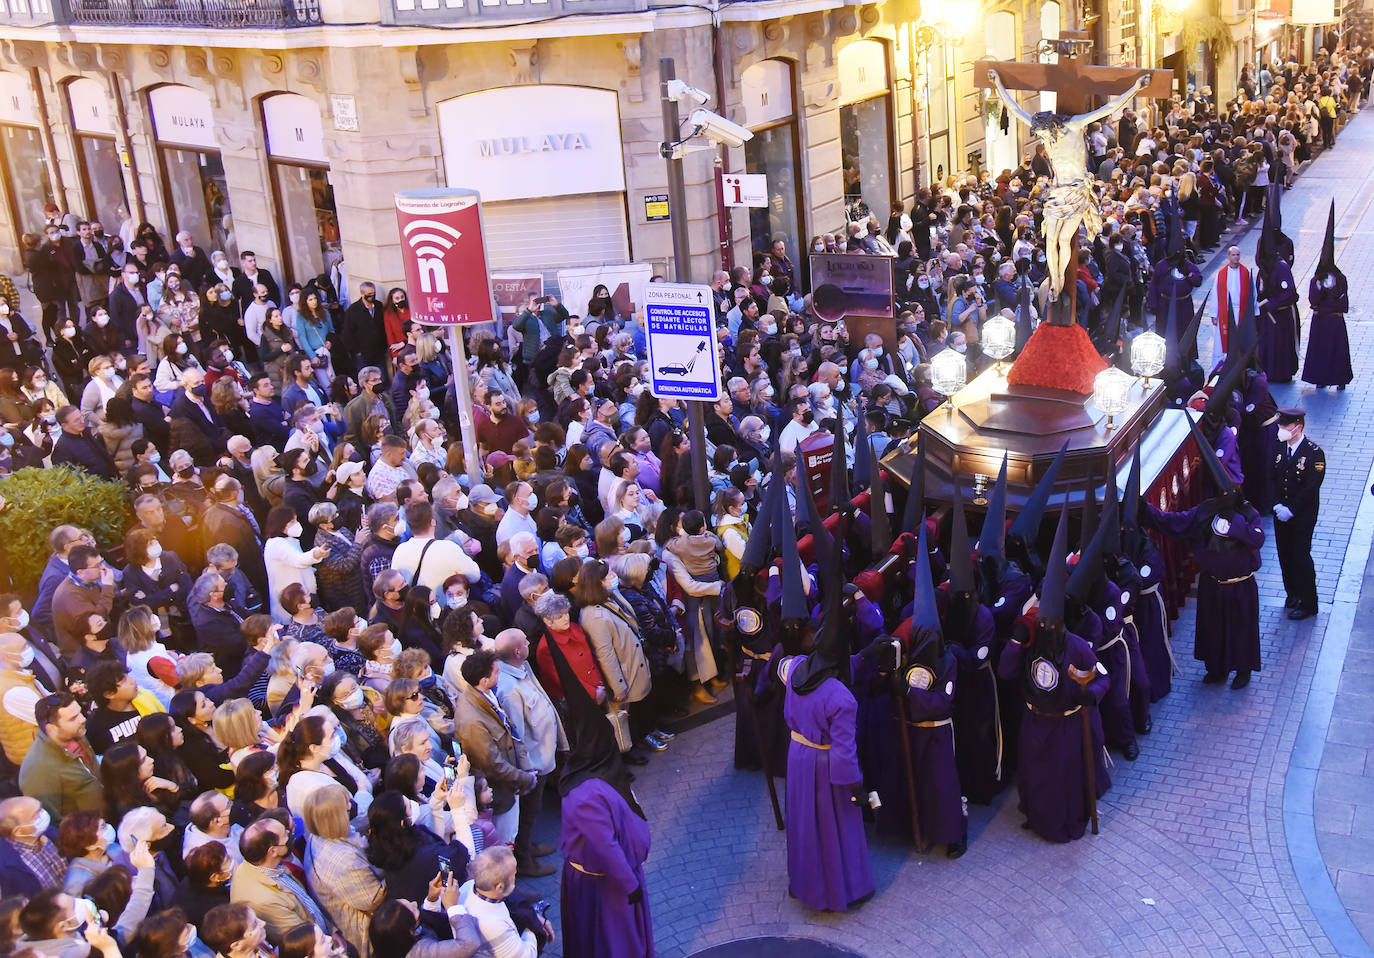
(444, 257)
(680, 328)
(745, 189)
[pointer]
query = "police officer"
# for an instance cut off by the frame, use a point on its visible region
(1295, 479)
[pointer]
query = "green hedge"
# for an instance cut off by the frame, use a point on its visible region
(39, 500)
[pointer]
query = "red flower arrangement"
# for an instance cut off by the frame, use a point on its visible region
(1058, 357)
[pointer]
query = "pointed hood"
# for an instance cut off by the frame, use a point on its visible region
(1175, 249)
(925, 614)
(961, 576)
(1130, 507)
(1274, 245)
(1109, 520)
(1027, 523)
(1221, 479)
(1088, 526)
(1230, 322)
(913, 513)
(759, 546)
(1088, 569)
(794, 602)
(1051, 608)
(991, 542)
(1326, 265)
(1115, 325)
(1230, 379)
(1187, 340)
(808, 513)
(839, 467)
(880, 526)
(594, 752)
(829, 657)
(863, 452)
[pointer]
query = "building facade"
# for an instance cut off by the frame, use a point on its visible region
(287, 130)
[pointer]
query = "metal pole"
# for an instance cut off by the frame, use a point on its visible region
(682, 251)
(465, 422)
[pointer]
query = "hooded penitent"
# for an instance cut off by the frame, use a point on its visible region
(1273, 244)
(1026, 527)
(1231, 378)
(861, 461)
(1220, 478)
(594, 752)
(913, 513)
(1176, 248)
(1326, 265)
(829, 657)
(927, 638)
(795, 606)
(1024, 317)
(1132, 538)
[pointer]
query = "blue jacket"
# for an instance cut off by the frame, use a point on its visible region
(15, 877)
(270, 423)
(53, 573)
(84, 452)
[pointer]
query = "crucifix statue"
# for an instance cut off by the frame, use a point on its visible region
(1071, 202)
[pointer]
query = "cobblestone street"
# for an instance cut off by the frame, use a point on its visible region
(1246, 816)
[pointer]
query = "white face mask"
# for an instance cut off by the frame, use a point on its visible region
(877, 351)
(434, 610)
(107, 834)
(354, 700)
(764, 433)
(228, 355)
(870, 364)
(157, 624)
(581, 552)
(69, 332)
(181, 349)
(819, 248)
(613, 582)
(1285, 434)
(26, 656)
(294, 530)
(154, 550)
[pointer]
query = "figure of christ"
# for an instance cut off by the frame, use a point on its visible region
(1071, 202)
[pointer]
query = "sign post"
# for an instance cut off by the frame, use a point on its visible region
(680, 331)
(447, 282)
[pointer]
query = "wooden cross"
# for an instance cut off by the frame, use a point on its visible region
(1075, 82)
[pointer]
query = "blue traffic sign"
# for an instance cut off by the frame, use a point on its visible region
(679, 326)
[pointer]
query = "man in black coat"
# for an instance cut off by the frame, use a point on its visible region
(364, 334)
(149, 413)
(78, 446)
(224, 520)
(54, 279)
(195, 426)
(126, 301)
(192, 261)
(1295, 481)
(249, 276)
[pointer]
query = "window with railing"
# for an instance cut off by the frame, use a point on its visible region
(1126, 12)
(209, 13)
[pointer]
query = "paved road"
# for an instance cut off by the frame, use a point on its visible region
(1209, 842)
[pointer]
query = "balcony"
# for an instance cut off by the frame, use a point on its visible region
(187, 13)
(471, 12)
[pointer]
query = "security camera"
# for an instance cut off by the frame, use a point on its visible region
(679, 91)
(718, 129)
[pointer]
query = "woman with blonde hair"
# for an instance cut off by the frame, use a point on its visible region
(101, 388)
(270, 478)
(238, 727)
(336, 866)
(153, 667)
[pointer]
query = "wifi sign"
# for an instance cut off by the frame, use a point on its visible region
(444, 257)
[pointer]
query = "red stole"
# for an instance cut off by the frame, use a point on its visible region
(1223, 300)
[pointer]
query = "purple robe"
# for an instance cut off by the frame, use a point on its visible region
(977, 724)
(1118, 724)
(607, 839)
(1328, 343)
(1052, 778)
(1152, 625)
(828, 866)
(1278, 323)
(1016, 590)
(877, 743)
(1257, 438)
(1227, 635)
(1166, 288)
(939, 801)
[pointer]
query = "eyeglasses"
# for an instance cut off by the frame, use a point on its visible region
(414, 696)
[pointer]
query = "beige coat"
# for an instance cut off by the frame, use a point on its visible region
(613, 633)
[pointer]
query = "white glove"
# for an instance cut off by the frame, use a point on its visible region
(1282, 512)
(1221, 526)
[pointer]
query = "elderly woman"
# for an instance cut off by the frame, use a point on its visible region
(612, 630)
(336, 866)
(286, 561)
(103, 385)
(356, 707)
(406, 706)
(156, 578)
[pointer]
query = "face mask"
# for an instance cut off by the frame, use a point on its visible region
(764, 433)
(395, 647)
(154, 550)
(808, 418)
(434, 610)
(101, 319)
(354, 700)
(766, 280)
(26, 656)
(870, 364)
(923, 283)
(228, 355)
(533, 503)
(42, 823)
(768, 329)
(107, 834)
(181, 349)
(199, 391)
(69, 332)
(336, 747)
(819, 248)
(6, 439)
(1285, 435)
(612, 582)
(533, 418)
(294, 530)
(877, 351)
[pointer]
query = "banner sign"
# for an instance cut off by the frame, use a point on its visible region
(445, 258)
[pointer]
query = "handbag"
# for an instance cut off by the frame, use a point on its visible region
(620, 724)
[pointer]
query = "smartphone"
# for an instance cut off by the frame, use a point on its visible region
(445, 869)
(543, 300)
(86, 912)
(450, 775)
(540, 907)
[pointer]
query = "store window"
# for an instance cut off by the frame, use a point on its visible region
(27, 184)
(102, 175)
(865, 130)
(769, 112)
(193, 180)
(307, 218)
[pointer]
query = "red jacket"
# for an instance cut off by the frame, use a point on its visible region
(573, 644)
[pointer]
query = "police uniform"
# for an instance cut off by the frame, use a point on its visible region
(1295, 479)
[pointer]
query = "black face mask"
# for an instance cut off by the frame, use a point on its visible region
(199, 391)
(808, 417)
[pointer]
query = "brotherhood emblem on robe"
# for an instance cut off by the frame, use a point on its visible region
(1044, 675)
(920, 678)
(748, 621)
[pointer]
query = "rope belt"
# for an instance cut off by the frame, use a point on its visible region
(997, 714)
(1243, 578)
(583, 870)
(801, 739)
(761, 656)
(938, 724)
(1045, 714)
(1164, 626)
(1152, 590)
(1121, 637)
